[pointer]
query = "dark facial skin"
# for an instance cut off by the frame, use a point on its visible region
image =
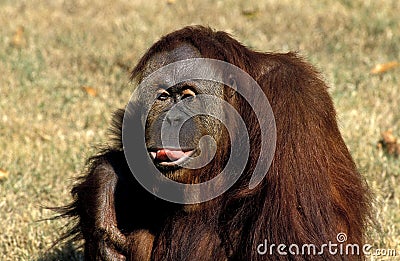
(182, 130)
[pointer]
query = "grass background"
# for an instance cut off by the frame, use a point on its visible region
(49, 124)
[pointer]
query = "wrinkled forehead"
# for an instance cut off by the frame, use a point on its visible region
(181, 52)
(180, 67)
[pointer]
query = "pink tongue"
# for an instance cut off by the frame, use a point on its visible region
(172, 155)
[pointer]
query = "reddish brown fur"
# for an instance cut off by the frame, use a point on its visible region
(311, 192)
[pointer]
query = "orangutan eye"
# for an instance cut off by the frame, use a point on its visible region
(188, 93)
(163, 95)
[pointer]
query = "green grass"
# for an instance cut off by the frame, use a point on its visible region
(48, 125)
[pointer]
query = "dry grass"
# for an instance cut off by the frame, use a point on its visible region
(48, 124)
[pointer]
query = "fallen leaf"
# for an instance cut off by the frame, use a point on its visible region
(389, 143)
(388, 136)
(384, 67)
(90, 90)
(250, 13)
(19, 39)
(3, 174)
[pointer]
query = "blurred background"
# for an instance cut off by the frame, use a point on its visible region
(64, 68)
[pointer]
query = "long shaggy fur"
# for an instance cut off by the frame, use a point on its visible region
(311, 192)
